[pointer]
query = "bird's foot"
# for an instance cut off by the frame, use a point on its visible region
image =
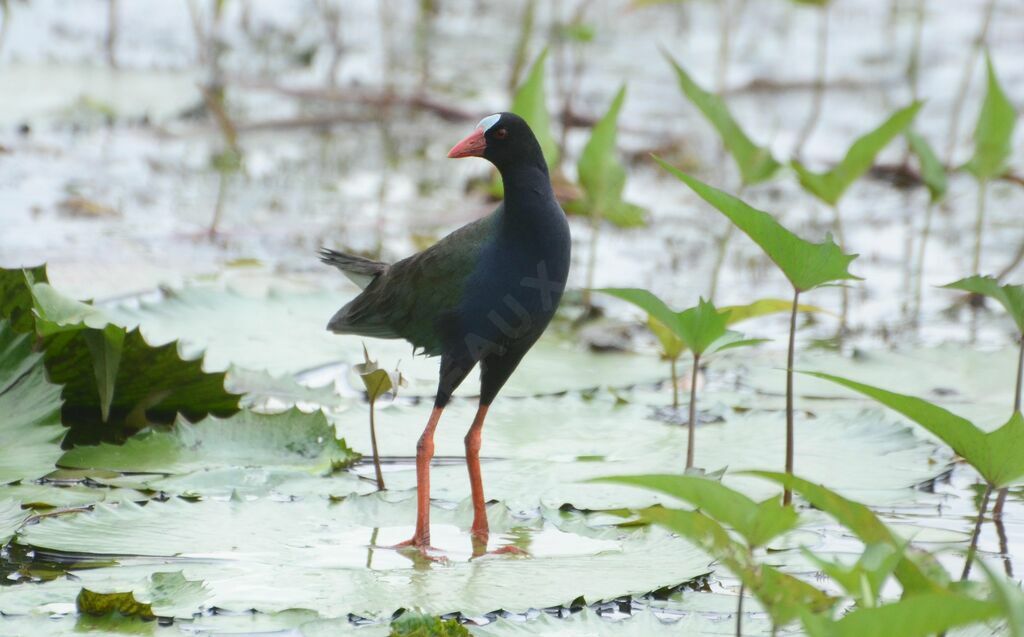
(422, 546)
(481, 551)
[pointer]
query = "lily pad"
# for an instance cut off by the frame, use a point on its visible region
(12, 516)
(30, 428)
(290, 440)
(244, 550)
(538, 451)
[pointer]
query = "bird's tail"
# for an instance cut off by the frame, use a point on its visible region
(360, 270)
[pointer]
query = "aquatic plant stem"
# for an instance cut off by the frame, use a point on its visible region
(787, 495)
(693, 412)
(675, 383)
(965, 82)
(1020, 374)
(739, 611)
(919, 270)
(373, 444)
(997, 510)
(819, 83)
(982, 508)
(844, 290)
(979, 227)
(591, 263)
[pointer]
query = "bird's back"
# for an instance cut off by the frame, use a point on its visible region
(416, 298)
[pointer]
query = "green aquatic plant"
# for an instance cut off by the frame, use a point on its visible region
(377, 382)
(1011, 297)
(993, 136)
(916, 573)
(820, 67)
(755, 163)
(933, 174)
(114, 382)
(413, 624)
(829, 186)
(602, 178)
(998, 456)
(756, 523)
(805, 264)
(700, 329)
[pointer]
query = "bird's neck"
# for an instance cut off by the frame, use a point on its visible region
(527, 188)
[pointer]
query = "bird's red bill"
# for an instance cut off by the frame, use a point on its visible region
(473, 146)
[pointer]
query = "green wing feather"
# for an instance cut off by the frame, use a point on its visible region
(412, 298)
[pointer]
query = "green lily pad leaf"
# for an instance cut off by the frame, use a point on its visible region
(602, 176)
(933, 173)
(47, 495)
(755, 163)
(1011, 297)
(830, 186)
(30, 426)
(915, 616)
(530, 103)
(757, 523)
(113, 382)
(765, 307)
(16, 302)
(100, 604)
(12, 516)
(57, 313)
(291, 440)
(998, 455)
(532, 463)
(231, 328)
(420, 625)
(806, 265)
(256, 546)
(161, 595)
(639, 623)
(993, 134)
(863, 523)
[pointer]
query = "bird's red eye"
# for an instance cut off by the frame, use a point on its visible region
(501, 133)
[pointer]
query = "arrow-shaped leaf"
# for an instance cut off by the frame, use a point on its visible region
(806, 265)
(1009, 296)
(830, 186)
(755, 163)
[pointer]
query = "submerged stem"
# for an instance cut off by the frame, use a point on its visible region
(965, 81)
(979, 227)
(591, 263)
(787, 496)
(977, 532)
(919, 270)
(1020, 375)
(675, 384)
(373, 444)
(844, 290)
(693, 411)
(739, 611)
(819, 83)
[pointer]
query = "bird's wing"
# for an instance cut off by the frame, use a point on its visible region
(413, 297)
(359, 270)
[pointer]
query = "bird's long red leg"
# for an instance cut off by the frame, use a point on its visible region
(479, 529)
(424, 453)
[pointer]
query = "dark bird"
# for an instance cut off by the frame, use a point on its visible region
(481, 295)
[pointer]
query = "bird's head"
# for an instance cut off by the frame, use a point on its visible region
(504, 139)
